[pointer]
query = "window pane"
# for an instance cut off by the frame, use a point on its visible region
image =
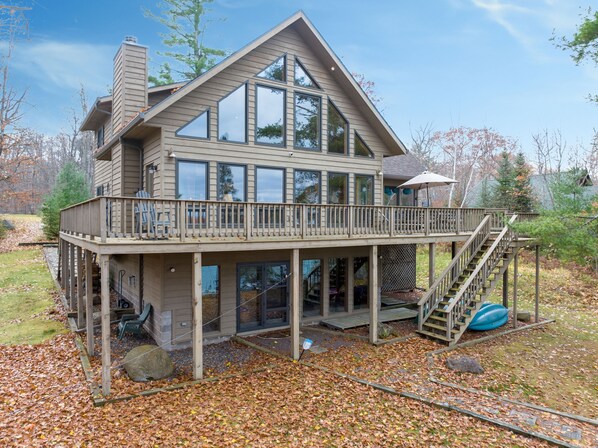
(275, 71)
(337, 188)
(312, 291)
(307, 121)
(232, 116)
(391, 195)
(192, 181)
(360, 286)
(210, 291)
(231, 183)
(307, 187)
(364, 190)
(270, 116)
(361, 148)
(269, 185)
(197, 127)
(302, 78)
(337, 131)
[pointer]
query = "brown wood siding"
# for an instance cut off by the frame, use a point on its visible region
(130, 287)
(208, 95)
(152, 293)
(152, 154)
(131, 167)
(102, 174)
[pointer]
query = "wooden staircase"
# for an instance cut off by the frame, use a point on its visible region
(456, 296)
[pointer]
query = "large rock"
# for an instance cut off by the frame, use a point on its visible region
(147, 363)
(8, 225)
(385, 331)
(97, 317)
(524, 316)
(465, 364)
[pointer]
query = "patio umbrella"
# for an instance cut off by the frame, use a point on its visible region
(427, 180)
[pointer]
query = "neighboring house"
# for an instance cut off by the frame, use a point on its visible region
(267, 176)
(541, 188)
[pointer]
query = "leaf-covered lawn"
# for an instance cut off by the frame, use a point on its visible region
(27, 314)
(46, 403)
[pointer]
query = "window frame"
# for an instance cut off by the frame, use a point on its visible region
(295, 186)
(356, 136)
(284, 117)
(356, 193)
(319, 97)
(348, 131)
(245, 183)
(285, 71)
(347, 180)
(284, 183)
(205, 111)
(316, 83)
(246, 85)
(207, 176)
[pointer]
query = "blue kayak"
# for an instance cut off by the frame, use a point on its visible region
(489, 317)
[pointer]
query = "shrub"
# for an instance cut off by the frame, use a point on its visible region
(71, 187)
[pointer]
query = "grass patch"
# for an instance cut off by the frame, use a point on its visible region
(26, 298)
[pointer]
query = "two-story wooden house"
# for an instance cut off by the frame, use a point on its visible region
(262, 199)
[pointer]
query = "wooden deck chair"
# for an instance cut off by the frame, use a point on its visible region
(132, 323)
(147, 218)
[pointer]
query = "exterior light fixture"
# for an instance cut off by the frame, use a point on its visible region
(307, 343)
(152, 168)
(172, 269)
(379, 173)
(171, 154)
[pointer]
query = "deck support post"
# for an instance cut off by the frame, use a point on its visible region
(66, 266)
(431, 263)
(515, 274)
(373, 294)
(72, 276)
(295, 303)
(350, 292)
(59, 275)
(537, 295)
(505, 288)
(80, 304)
(197, 317)
(325, 294)
(89, 302)
(105, 291)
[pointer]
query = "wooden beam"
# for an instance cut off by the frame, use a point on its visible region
(72, 272)
(59, 275)
(295, 292)
(373, 294)
(80, 304)
(105, 291)
(197, 317)
(66, 274)
(515, 274)
(505, 288)
(350, 292)
(537, 296)
(89, 302)
(325, 293)
(431, 263)
(453, 249)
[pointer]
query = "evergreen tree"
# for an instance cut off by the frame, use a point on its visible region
(522, 197)
(186, 26)
(71, 188)
(485, 200)
(502, 194)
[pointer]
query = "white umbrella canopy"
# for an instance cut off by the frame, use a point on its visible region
(427, 180)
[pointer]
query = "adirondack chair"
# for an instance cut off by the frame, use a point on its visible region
(147, 217)
(132, 323)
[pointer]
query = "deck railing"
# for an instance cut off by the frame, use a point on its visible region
(118, 217)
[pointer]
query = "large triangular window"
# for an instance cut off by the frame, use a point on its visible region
(338, 130)
(302, 76)
(361, 149)
(275, 71)
(196, 128)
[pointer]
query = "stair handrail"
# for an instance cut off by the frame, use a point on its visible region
(445, 280)
(486, 266)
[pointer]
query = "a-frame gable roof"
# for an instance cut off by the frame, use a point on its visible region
(306, 29)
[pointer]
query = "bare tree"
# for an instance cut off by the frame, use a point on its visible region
(550, 148)
(422, 145)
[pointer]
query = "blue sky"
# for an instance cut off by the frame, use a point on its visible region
(446, 62)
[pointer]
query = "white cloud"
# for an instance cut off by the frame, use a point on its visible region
(66, 65)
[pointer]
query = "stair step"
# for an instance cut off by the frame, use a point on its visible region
(438, 327)
(434, 335)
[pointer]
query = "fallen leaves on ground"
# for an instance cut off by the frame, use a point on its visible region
(27, 230)
(46, 402)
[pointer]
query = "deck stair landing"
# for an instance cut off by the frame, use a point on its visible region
(456, 296)
(359, 320)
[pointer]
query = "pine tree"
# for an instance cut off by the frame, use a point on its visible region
(186, 32)
(522, 196)
(502, 194)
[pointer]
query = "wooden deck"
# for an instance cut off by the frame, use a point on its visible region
(158, 225)
(360, 320)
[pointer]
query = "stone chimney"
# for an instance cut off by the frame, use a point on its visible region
(129, 89)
